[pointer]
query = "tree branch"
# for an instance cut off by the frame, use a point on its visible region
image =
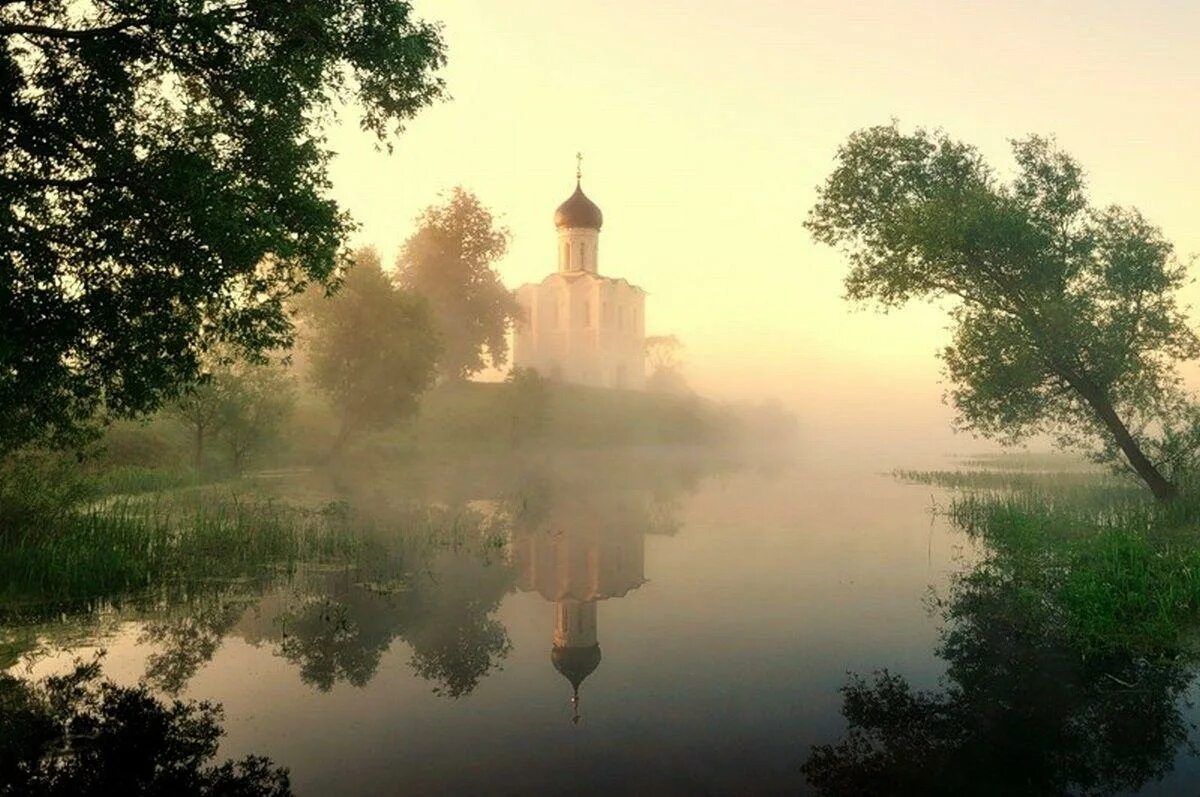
(49, 32)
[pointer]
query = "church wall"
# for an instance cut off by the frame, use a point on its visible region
(584, 330)
(578, 249)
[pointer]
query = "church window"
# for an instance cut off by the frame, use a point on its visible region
(582, 255)
(566, 255)
(587, 313)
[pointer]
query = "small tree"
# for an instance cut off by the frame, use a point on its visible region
(1065, 315)
(664, 357)
(242, 405)
(256, 401)
(373, 348)
(199, 410)
(448, 260)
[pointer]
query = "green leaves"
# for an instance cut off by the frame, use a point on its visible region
(164, 188)
(374, 348)
(449, 262)
(1067, 318)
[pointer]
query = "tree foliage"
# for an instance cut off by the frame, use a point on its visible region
(373, 347)
(241, 405)
(1066, 319)
(664, 356)
(449, 261)
(1023, 708)
(79, 734)
(165, 188)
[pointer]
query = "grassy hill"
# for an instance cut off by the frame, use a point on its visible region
(573, 416)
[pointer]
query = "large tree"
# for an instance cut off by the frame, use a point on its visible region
(164, 188)
(373, 348)
(449, 261)
(1065, 314)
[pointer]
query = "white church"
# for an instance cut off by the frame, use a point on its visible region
(582, 327)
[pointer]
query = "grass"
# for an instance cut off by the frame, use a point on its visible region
(1111, 568)
(127, 545)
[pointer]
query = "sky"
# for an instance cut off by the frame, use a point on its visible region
(706, 127)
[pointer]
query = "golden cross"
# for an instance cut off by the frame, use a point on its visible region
(578, 166)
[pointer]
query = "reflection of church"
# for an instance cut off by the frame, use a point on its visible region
(576, 559)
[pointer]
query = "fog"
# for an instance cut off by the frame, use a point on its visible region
(452, 539)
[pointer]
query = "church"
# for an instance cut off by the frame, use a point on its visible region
(579, 326)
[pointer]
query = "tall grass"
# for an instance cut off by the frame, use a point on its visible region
(1113, 568)
(127, 545)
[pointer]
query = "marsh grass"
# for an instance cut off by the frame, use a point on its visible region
(125, 545)
(1112, 569)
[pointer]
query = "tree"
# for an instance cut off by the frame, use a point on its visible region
(373, 348)
(200, 411)
(82, 734)
(165, 187)
(1024, 707)
(241, 404)
(257, 401)
(663, 355)
(449, 260)
(1065, 315)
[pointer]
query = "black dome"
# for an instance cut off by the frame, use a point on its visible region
(576, 663)
(578, 211)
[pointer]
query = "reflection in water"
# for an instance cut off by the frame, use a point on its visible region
(77, 734)
(430, 570)
(575, 552)
(1020, 711)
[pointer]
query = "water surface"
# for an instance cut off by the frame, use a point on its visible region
(650, 622)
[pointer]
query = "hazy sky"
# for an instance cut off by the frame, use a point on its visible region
(706, 125)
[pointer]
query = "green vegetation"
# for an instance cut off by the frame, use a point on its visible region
(166, 190)
(124, 545)
(465, 415)
(372, 348)
(1070, 645)
(1113, 570)
(1065, 315)
(81, 734)
(448, 260)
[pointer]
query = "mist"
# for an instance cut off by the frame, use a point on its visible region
(599, 398)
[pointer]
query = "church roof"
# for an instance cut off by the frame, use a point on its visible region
(575, 664)
(572, 276)
(578, 211)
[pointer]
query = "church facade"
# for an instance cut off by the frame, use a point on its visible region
(580, 326)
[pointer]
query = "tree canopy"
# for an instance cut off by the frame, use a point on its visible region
(1066, 319)
(449, 261)
(373, 347)
(165, 187)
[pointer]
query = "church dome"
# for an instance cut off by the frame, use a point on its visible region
(575, 664)
(578, 211)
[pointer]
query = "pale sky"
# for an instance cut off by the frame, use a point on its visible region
(706, 125)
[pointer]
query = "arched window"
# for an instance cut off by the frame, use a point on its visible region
(583, 255)
(566, 256)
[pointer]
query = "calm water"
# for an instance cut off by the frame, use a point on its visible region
(708, 613)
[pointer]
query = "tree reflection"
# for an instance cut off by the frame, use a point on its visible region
(188, 638)
(78, 734)
(1020, 710)
(438, 599)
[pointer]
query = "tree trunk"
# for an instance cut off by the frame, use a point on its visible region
(339, 442)
(1163, 490)
(199, 448)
